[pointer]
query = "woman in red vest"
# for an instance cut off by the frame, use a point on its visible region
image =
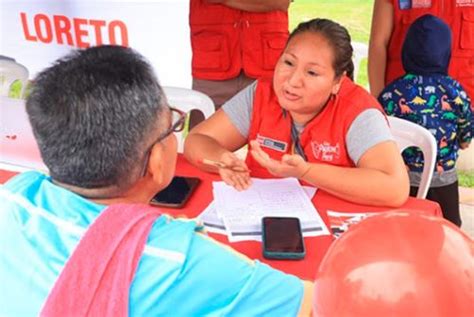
(390, 22)
(309, 121)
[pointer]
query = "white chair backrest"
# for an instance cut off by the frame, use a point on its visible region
(18, 148)
(10, 71)
(186, 100)
(408, 134)
(361, 51)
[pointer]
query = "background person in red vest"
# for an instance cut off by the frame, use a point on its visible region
(234, 42)
(309, 121)
(390, 22)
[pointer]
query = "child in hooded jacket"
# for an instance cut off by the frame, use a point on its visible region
(426, 95)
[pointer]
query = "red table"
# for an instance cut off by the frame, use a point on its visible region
(316, 247)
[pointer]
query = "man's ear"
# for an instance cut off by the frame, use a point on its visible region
(155, 163)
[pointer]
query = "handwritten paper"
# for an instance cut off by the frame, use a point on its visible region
(240, 213)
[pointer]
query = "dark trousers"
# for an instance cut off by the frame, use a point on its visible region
(447, 197)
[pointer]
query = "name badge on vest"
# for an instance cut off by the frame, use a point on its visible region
(404, 4)
(325, 151)
(273, 144)
(415, 4)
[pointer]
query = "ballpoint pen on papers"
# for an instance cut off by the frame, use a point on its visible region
(223, 165)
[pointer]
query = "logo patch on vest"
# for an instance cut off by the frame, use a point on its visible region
(325, 151)
(464, 3)
(273, 144)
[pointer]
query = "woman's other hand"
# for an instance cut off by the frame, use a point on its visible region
(289, 166)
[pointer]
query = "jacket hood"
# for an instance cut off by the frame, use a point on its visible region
(427, 46)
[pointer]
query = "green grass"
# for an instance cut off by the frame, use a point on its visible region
(355, 15)
(466, 178)
(15, 90)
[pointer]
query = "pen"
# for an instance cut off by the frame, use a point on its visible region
(223, 165)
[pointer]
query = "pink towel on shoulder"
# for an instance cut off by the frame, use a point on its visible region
(96, 279)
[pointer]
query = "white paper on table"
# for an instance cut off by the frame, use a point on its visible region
(242, 212)
(310, 191)
(213, 223)
(211, 220)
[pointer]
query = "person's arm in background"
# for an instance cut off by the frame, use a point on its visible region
(381, 31)
(254, 5)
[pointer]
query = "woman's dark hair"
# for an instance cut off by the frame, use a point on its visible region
(338, 38)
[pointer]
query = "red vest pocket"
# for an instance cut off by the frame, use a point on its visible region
(273, 45)
(467, 31)
(210, 51)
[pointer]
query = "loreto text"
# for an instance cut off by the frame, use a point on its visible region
(77, 32)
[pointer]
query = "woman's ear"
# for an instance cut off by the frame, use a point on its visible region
(337, 84)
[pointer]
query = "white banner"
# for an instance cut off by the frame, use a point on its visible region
(35, 33)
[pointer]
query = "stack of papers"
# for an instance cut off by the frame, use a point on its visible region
(239, 214)
(341, 221)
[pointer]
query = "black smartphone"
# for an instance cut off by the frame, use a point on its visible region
(282, 238)
(177, 193)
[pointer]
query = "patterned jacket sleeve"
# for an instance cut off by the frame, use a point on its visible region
(465, 116)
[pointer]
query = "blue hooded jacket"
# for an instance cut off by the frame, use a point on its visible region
(426, 95)
(427, 47)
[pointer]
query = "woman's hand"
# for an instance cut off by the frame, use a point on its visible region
(289, 166)
(236, 172)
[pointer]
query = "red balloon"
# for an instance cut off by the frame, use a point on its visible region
(397, 264)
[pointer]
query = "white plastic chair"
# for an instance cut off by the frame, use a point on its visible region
(361, 51)
(11, 71)
(186, 100)
(407, 134)
(18, 148)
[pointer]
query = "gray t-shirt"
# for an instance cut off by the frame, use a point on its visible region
(367, 130)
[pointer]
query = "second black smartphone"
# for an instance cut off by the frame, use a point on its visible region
(282, 238)
(177, 193)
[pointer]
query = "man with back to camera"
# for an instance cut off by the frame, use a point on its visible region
(105, 133)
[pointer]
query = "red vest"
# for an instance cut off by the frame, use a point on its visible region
(226, 40)
(459, 15)
(323, 139)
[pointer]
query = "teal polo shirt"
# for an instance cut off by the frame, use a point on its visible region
(181, 273)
